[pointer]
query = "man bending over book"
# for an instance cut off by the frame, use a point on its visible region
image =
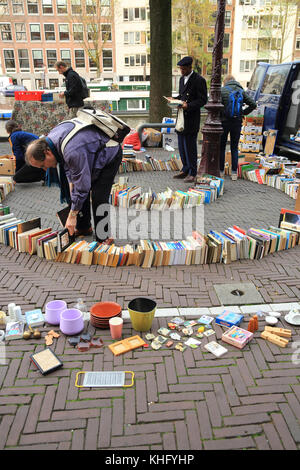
(86, 170)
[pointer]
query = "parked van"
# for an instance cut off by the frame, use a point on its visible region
(5, 81)
(276, 88)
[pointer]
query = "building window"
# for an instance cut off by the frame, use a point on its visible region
(35, 32)
(9, 59)
(53, 83)
(135, 37)
(134, 14)
(20, 32)
(210, 42)
(62, 7)
(51, 58)
(136, 60)
(65, 56)
(247, 65)
(134, 105)
(107, 59)
(47, 7)
(63, 31)
(104, 7)
(5, 29)
(91, 7)
(92, 32)
(275, 44)
(76, 7)
(226, 41)
(224, 66)
(92, 57)
(32, 7)
(17, 7)
(79, 58)
(78, 32)
(227, 19)
(37, 56)
(106, 32)
(49, 32)
(4, 10)
(23, 57)
(297, 43)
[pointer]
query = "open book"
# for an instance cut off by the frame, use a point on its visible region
(173, 102)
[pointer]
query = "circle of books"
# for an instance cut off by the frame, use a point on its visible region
(102, 312)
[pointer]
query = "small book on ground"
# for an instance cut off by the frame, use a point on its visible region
(64, 240)
(215, 348)
(14, 330)
(46, 361)
(34, 317)
(63, 215)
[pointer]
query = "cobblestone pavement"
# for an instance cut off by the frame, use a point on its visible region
(248, 399)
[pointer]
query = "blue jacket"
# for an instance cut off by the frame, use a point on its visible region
(19, 141)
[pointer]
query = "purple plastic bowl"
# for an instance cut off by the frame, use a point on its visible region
(71, 321)
(53, 311)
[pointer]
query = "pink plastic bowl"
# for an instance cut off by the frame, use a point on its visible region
(71, 321)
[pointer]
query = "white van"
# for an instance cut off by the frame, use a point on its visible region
(5, 81)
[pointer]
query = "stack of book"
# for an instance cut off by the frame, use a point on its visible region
(282, 176)
(151, 164)
(227, 246)
(6, 186)
(207, 190)
(251, 134)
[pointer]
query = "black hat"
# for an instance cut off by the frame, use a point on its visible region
(185, 61)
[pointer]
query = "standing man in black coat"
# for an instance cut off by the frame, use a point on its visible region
(193, 93)
(73, 93)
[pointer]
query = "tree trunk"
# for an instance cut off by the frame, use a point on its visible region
(160, 58)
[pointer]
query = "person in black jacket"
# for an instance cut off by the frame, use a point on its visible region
(232, 125)
(73, 93)
(193, 93)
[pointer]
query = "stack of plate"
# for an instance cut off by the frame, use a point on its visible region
(102, 312)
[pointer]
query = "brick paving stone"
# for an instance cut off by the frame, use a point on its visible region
(224, 432)
(272, 436)
(292, 422)
(182, 437)
(169, 441)
(283, 431)
(230, 444)
(193, 430)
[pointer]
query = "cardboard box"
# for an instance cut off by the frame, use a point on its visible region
(229, 319)
(7, 167)
(237, 337)
(170, 139)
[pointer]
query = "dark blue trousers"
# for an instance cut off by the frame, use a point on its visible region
(233, 128)
(187, 145)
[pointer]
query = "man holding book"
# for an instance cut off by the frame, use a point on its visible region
(86, 168)
(193, 93)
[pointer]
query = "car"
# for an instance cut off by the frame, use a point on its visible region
(9, 90)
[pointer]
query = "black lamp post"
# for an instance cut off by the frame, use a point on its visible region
(212, 129)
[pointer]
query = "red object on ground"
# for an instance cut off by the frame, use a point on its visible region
(133, 139)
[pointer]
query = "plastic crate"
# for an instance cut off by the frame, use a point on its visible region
(28, 95)
(47, 97)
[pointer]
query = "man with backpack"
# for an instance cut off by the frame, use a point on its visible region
(86, 168)
(76, 89)
(233, 98)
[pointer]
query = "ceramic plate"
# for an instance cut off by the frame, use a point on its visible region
(271, 320)
(291, 322)
(274, 314)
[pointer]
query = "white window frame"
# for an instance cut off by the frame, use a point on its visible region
(20, 2)
(63, 58)
(66, 4)
(35, 24)
(63, 24)
(33, 3)
(50, 40)
(6, 40)
(23, 69)
(51, 68)
(84, 55)
(42, 6)
(106, 69)
(37, 68)
(5, 9)
(9, 69)
(18, 32)
(82, 31)
(80, 3)
(106, 24)
(142, 104)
